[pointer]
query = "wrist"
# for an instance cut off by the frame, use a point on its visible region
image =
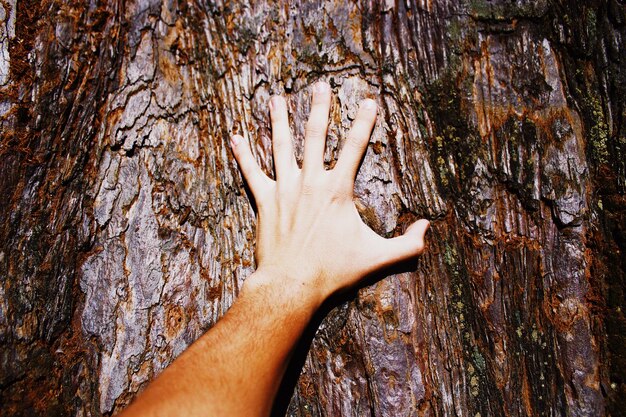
(286, 290)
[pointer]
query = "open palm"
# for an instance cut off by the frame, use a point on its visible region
(309, 232)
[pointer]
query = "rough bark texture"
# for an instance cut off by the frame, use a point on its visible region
(125, 230)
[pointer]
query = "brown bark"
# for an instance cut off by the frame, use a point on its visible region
(125, 229)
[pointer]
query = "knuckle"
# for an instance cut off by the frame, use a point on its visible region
(315, 129)
(280, 142)
(354, 143)
(340, 191)
(308, 189)
(311, 184)
(338, 196)
(261, 200)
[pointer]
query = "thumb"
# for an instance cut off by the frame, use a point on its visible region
(406, 246)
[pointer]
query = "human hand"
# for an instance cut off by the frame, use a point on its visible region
(309, 232)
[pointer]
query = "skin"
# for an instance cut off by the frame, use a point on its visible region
(311, 244)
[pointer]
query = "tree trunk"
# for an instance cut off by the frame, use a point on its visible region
(126, 231)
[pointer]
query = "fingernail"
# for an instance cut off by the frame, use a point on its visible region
(235, 140)
(369, 104)
(274, 102)
(321, 87)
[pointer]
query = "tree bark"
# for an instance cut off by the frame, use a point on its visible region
(126, 231)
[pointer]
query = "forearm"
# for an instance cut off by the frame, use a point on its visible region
(240, 362)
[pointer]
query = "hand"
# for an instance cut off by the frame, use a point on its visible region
(309, 233)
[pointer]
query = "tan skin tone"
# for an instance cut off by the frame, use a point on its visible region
(311, 244)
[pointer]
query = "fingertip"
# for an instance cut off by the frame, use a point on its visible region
(369, 104)
(276, 102)
(424, 225)
(236, 140)
(417, 232)
(278, 111)
(321, 93)
(420, 227)
(368, 111)
(321, 87)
